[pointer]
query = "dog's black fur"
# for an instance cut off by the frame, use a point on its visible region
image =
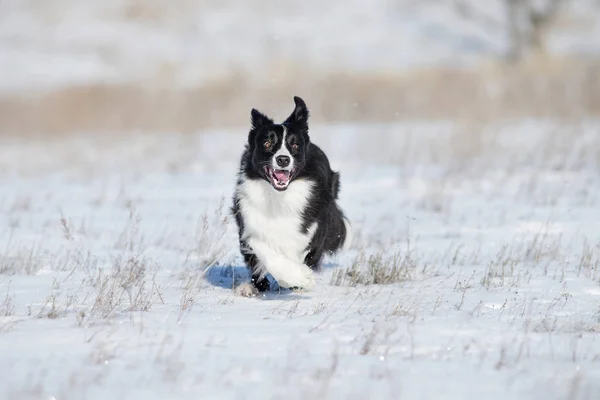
(310, 163)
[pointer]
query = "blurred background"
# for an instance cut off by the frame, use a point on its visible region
(70, 66)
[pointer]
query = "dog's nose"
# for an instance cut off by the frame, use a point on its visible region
(283, 161)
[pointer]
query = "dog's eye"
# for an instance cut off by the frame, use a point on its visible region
(267, 144)
(295, 146)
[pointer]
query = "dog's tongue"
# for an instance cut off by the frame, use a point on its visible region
(281, 175)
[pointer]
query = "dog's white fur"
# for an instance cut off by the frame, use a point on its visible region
(283, 151)
(272, 222)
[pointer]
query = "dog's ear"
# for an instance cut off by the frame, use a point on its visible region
(300, 114)
(259, 119)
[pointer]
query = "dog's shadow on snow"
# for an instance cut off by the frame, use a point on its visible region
(230, 276)
(227, 276)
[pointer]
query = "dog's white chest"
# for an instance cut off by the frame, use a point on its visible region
(275, 218)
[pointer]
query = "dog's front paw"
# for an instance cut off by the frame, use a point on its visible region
(304, 282)
(246, 289)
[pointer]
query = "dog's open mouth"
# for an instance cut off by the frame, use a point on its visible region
(280, 178)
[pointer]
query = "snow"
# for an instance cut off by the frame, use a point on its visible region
(500, 298)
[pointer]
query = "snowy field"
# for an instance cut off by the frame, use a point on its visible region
(474, 274)
(46, 45)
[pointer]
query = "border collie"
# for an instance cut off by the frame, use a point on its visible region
(285, 203)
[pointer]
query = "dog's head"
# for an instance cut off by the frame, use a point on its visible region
(278, 151)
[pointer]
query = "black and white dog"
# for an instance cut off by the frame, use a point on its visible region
(285, 202)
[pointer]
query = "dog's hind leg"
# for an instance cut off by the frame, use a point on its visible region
(313, 259)
(338, 232)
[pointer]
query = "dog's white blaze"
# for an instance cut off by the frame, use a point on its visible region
(272, 222)
(283, 151)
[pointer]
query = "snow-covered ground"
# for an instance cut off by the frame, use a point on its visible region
(44, 45)
(491, 232)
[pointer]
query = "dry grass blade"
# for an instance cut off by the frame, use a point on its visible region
(22, 260)
(211, 241)
(376, 269)
(7, 307)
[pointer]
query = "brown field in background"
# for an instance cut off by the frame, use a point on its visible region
(540, 87)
